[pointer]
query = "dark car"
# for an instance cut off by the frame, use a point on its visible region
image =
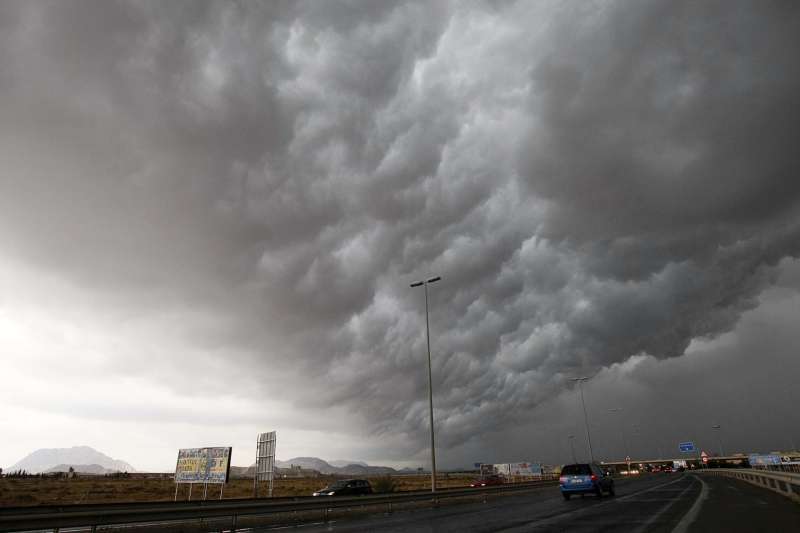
(346, 487)
(487, 481)
(584, 479)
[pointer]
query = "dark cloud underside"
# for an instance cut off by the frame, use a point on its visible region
(617, 180)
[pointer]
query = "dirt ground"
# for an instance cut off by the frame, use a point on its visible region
(49, 491)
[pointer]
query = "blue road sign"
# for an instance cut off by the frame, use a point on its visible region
(686, 446)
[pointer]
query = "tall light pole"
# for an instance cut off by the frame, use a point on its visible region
(622, 430)
(430, 376)
(580, 381)
(572, 447)
(719, 437)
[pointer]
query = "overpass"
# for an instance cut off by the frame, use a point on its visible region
(728, 460)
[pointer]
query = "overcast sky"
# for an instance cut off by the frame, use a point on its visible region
(210, 214)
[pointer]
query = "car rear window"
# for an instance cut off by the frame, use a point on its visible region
(576, 470)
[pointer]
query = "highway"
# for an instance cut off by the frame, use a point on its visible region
(676, 503)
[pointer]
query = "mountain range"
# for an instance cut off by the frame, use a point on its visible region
(88, 460)
(82, 469)
(349, 468)
(344, 462)
(47, 459)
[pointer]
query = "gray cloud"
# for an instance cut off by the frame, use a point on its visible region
(616, 181)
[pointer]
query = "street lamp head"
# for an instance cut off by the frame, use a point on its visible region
(431, 280)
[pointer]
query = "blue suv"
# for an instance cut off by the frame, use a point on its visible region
(585, 479)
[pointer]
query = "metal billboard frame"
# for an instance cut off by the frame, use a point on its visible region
(265, 460)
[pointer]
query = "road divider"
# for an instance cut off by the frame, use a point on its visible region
(95, 515)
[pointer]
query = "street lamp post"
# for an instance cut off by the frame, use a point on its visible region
(719, 437)
(622, 431)
(430, 376)
(580, 381)
(572, 448)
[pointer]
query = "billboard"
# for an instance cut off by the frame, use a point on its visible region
(764, 460)
(203, 465)
(517, 469)
(525, 469)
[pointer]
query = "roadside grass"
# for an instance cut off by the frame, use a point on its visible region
(15, 492)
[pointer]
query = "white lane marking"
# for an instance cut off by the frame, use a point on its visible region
(694, 510)
(655, 500)
(584, 510)
(663, 509)
(657, 487)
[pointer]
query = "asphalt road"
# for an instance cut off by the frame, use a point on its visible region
(676, 503)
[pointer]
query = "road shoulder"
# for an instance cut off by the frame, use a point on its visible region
(733, 505)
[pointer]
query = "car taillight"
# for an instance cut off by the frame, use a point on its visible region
(562, 479)
(594, 477)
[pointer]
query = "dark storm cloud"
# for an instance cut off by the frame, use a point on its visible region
(618, 181)
(667, 127)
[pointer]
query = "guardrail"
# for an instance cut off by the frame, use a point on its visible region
(785, 483)
(793, 467)
(94, 515)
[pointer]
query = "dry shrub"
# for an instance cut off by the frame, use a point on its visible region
(383, 484)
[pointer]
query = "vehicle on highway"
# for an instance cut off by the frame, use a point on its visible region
(584, 478)
(487, 481)
(346, 487)
(667, 469)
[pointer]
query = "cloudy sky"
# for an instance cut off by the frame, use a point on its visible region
(210, 214)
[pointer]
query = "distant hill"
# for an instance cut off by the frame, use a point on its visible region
(339, 463)
(83, 469)
(48, 458)
(361, 470)
(347, 468)
(310, 463)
